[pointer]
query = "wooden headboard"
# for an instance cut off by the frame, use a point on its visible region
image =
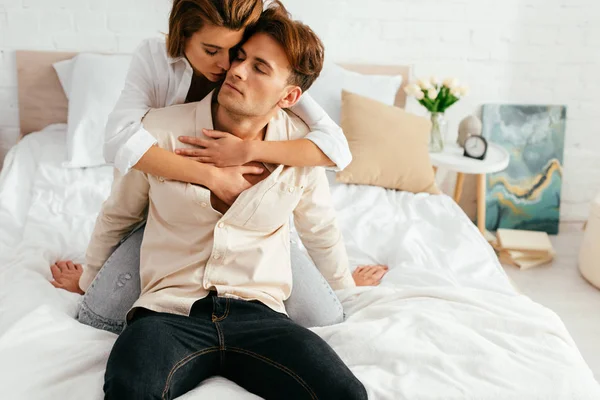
(42, 100)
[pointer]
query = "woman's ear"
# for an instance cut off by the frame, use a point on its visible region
(291, 98)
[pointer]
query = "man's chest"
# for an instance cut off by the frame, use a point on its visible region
(251, 179)
(266, 205)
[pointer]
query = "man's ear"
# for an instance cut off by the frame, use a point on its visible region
(291, 98)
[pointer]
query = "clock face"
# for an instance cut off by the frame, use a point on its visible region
(475, 146)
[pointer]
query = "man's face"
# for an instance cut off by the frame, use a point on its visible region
(258, 79)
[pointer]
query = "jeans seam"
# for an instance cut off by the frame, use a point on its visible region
(181, 363)
(278, 366)
(219, 319)
(221, 345)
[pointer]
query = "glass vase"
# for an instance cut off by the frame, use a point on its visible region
(438, 132)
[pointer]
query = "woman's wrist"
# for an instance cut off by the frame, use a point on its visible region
(254, 150)
(205, 175)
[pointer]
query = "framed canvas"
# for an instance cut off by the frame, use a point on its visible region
(526, 195)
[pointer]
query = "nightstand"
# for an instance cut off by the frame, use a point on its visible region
(452, 158)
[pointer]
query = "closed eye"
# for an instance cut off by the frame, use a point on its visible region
(210, 53)
(238, 56)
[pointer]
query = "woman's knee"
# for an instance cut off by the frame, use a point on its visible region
(116, 287)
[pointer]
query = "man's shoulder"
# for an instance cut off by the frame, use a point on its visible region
(292, 127)
(170, 122)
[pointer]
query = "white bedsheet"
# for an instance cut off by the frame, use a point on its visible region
(444, 324)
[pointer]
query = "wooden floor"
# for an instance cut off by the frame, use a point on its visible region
(560, 287)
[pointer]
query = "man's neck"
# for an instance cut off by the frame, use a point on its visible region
(242, 126)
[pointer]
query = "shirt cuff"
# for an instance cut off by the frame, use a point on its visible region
(346, 282)
(135, 147)
(340, 155)
(86, 278)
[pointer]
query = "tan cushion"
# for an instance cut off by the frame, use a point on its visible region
(390, 147)
(42, 100)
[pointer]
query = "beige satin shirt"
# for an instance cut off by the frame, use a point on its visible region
(189, 248)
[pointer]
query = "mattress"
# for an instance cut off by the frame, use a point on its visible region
(444, 323)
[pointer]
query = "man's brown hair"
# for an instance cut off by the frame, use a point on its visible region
(302, 46)
(188, 16)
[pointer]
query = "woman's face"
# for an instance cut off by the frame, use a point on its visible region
(208, 50)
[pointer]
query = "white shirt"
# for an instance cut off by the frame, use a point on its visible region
(156, 80)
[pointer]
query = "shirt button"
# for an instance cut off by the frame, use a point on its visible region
(203, 204)
(216, 256)
(161, 179)
(291, 189)
(221, 225)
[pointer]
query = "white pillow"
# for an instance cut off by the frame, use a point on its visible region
(95, 86)
(327, 89)
(64, 70)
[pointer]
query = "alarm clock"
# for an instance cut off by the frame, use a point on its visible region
(475, 147)
(470, 125)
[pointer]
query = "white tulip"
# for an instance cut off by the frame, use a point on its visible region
(464, 90)
(434, 80)
(456, 92)
(419, 95)
(424, 84)
(451, 83)
(432, 93)
(412, 89)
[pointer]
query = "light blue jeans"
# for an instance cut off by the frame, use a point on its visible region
(117, 287)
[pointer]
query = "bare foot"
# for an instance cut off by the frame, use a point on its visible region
(369, 275)
(66, 276)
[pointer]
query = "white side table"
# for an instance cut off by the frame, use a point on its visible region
(452, 158)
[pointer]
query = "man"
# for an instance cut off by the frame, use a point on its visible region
(214, 278)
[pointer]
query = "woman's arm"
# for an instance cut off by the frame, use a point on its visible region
(127, 143)
(324, 133)
(296, 153)
(160, 162)
(325, 145)
(225, 183)
(126, 140)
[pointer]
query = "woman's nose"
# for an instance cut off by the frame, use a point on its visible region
(224, 63)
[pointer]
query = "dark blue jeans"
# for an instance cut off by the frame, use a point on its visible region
(162, 356)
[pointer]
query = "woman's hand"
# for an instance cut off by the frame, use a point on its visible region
(66, 276)
(369, 275)
(222, 149)
(230, 181)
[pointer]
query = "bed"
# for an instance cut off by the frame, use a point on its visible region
(444, 323)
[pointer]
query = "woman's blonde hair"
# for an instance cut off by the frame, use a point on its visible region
(188, 16)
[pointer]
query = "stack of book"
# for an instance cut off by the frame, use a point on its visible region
(524, 249)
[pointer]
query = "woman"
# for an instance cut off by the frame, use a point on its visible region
(186, 68)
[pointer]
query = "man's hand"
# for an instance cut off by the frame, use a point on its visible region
(369, 275)
(66, 276)
(230, 182)
(222, 149)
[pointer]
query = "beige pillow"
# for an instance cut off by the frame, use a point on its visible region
(390, 147)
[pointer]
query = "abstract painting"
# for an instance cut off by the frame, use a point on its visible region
(526, 195)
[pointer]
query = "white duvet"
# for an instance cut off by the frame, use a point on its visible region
(444, 324)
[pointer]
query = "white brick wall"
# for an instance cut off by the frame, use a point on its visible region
(518, 51)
